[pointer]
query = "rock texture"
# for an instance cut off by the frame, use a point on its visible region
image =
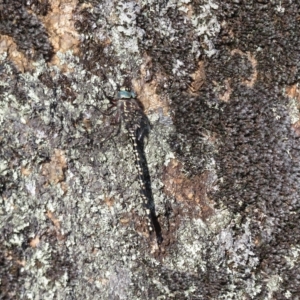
(219, 83)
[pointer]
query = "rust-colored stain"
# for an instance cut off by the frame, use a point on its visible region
(228, 90)
(55, 221)
(54, 170)
(169, 227)
(296, 128)
(189, 191)
(64, 186)
(56, 224)
(87, 124)
(249, 82)
(187, 9)
(198, 78)
(293, 92)
(191, 201)
(141, 228)
(59, 24)
(34, 242)
(125, 221)
(103, 280)
(25, 171)
(62, 35)
(109, 201)
(146, 90)
(140, 224)
(21, 262)
(86, 5)
(16, 262)
(7, 45)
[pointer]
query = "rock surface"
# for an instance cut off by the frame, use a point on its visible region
(219, 83)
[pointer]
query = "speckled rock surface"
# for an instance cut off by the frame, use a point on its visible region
(219, 83)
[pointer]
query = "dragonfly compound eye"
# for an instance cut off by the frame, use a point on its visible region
(126, 94)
